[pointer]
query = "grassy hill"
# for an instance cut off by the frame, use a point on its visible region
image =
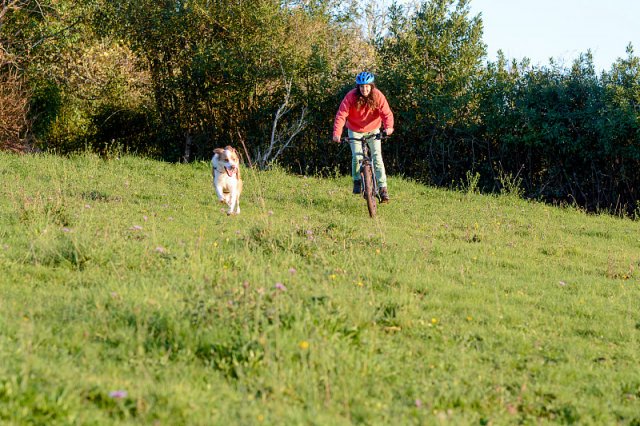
(127, 296)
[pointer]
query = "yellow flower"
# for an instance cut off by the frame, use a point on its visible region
(304, 345)
(469, 318)
(434, 321)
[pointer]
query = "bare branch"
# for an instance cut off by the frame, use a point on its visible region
(244, 145)
(282, 138)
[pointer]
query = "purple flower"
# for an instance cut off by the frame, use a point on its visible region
(292, 271)
(418, 403)
(118, 394)
(136, 228)
(280, 286)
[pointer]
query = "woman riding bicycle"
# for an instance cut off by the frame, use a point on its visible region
(363, 110)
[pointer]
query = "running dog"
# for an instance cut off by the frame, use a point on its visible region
(225, 166)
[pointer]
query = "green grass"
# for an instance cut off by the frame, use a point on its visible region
(451, 307)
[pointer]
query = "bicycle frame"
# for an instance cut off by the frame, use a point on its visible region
(367, 160)
(366, 167)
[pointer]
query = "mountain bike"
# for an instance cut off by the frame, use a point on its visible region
(370, 189)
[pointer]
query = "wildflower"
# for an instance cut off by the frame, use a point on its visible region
(118, 394)
(280, 286)
(469, 318)
(136, 228)
(87, 206)
(145, 218)
(161, 249)
(418, 403)
(434, 321)
(65, 229)
(562, 283)
(304, 345)
(292, 271)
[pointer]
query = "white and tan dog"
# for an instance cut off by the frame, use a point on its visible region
(226, 177)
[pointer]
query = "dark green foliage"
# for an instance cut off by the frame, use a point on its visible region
(565, 133)
(46, 105)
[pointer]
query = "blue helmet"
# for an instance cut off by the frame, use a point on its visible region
(364, 78)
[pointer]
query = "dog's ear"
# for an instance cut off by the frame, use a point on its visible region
(218, 151)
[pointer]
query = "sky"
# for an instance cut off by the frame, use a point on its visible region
(562, 29)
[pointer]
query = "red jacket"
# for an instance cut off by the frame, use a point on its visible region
(365, 119)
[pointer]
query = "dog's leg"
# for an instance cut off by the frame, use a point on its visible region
(239, 188)
(233, 199)
(219, 193)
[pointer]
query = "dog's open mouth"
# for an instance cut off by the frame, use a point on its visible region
(231, 170)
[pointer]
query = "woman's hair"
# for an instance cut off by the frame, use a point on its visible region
(369, 101)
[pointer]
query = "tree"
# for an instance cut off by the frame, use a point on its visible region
(430, 64)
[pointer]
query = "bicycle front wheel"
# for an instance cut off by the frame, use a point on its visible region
(369, 195)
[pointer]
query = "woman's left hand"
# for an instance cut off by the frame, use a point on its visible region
(389, 131)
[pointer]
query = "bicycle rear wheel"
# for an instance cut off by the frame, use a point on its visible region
(369, 195)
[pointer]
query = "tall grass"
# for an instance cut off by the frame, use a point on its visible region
(129, 297)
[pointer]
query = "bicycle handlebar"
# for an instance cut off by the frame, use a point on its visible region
(381, 136)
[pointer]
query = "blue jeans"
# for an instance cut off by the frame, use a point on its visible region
(375, 150)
